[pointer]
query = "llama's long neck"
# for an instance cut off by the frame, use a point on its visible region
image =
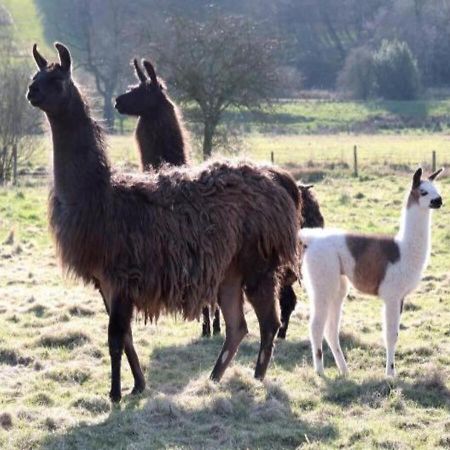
(80, 166)
(414, 235)
(160, 137)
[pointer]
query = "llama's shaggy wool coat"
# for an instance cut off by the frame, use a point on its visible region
(166, 239)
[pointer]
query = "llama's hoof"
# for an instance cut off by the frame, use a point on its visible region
(216, 331)
(320, 373)
(138, 388)
(206, 332)
(281, 334)
(115, 396)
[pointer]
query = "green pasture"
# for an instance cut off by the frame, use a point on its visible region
(54, 362)
(312, 156)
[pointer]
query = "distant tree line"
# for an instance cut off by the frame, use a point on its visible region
(221, 54)
(319, 39)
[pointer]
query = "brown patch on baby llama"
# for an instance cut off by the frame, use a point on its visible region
(413, 198)
(372, 256)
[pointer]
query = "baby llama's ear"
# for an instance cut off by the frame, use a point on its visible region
(417, 178)
(436, 174)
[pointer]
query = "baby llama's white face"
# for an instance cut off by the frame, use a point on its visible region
(430, 197)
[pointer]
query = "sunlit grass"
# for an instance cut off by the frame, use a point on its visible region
(54, 362)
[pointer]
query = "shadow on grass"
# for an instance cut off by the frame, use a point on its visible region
(171, 368)
(427, 392)
(183, 409)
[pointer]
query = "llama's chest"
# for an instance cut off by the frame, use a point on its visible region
(401, 279)
(80, 237)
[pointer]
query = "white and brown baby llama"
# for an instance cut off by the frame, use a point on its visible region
(389, 267)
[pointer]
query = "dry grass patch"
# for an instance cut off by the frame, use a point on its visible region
(68, 339)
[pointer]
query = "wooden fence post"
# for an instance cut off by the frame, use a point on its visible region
(355, 161)
(272, 158)
(15, 164)
(433, 161)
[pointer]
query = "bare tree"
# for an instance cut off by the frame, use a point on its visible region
(18, 122)
(221, 63)
(103, 35)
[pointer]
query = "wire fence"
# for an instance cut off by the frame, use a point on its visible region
(310, 157)
(355, 160)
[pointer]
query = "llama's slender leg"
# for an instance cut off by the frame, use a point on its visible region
(216, 321)
(392, 310)
(206, 326)
(322, 279)
(130, 352)
(135, 366)
(119, 327)
(332, 327)
(316, 331)
(288, 301)
(264, 302)
(232, 305)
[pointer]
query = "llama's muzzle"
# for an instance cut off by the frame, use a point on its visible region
(34, 96)
(436, 203)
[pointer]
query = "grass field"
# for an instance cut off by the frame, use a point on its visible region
(317, 155)
(54, 362)
(325, 116)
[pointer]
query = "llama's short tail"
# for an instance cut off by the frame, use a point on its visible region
(285, 180)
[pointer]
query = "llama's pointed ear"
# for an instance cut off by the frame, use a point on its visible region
(150, 70)
(141, 75)
(305, 187)
(41, 62)
(64, 56)
(436, 174)
(417, 178)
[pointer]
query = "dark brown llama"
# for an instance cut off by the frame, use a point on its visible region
(164, 242)
(160, 134)
(161, 137)
(159, 116)
(312, 218)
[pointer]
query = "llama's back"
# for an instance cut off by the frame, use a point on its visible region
(309, 235)
(321, 268)
(178, 234)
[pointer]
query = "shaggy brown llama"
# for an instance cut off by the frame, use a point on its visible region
(161, 137)
(159, 116)
(164, 242)
(312, 218)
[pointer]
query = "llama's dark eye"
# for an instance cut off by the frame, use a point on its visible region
(423, 193)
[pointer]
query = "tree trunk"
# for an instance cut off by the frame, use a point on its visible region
(208, 134)
(108, 110)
